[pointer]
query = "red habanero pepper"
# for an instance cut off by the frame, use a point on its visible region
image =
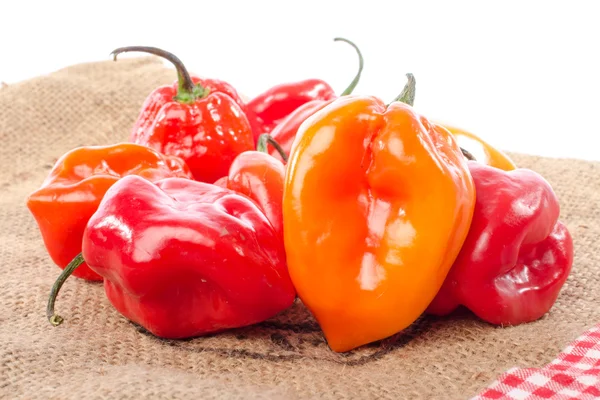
(77, 183)
(517, 254)
(259, 176)
(199, 120)
(274, 105)
(285, 132)
(183, 258)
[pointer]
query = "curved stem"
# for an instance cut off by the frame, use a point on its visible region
(56, 319)
(265, 139)
(361, 64)
(408, 93)
(468, 155)
(187, 91)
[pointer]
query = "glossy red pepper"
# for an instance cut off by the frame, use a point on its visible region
(77, 183)
(274, 105)
(260, 177)
(517, 255)
(203, 121)
(184, 258)
(285, 132)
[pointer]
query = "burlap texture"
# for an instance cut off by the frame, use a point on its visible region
(96, 353)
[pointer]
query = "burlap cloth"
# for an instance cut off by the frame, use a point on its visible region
(96, 353)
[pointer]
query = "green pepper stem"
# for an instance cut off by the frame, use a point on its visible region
(265, 139)
(361, 64)
(56, 319)
(467, 155)
(187, 91)
(408, 93)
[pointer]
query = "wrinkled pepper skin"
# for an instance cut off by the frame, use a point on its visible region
(184, 258)
(481, 150)
(517, 255)
(260, 177)
(202, 121)
(367, 257)
(165, 94)
(273, 105)
(77, 183)
(207, 134)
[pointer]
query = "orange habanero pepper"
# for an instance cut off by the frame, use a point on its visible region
(377, 204)
(74, 188)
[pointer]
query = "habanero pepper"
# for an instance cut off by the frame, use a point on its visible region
(183, 258)
(477, 149)
(203, 121)
(273, 106)
(517, 255)
(259, 176)
(472, 146)
(285, 132)
(71, 193)
(367, 257)
(481, 150)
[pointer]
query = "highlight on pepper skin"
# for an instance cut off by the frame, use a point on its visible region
(273, 107)
(202, 121)
(183, 258)
(73, 189)
(517, 255)
(367, 257)
(219, 212)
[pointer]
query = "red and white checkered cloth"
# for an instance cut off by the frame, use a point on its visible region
(575, 374)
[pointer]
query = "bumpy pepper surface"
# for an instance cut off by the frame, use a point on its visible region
(260, 177)
(184, 258)
(276, 104)
(517, 255)
(78, 181)
(203, 121)
(365, 256)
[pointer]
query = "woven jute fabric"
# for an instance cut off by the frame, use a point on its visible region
(97, 353)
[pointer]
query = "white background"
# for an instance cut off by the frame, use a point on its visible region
(525, 75)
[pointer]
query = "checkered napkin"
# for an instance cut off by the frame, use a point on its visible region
(575, 374)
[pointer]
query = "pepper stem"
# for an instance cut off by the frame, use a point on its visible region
(265, 139)
(468, 155)
(187, 91)
(408, 93)
(361, 63)
(56, 319)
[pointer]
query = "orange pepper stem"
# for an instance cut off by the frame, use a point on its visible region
(407, 95)
(56, 319)
(264, 140)
(187, 91)
(361, 63)
(468, 155)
